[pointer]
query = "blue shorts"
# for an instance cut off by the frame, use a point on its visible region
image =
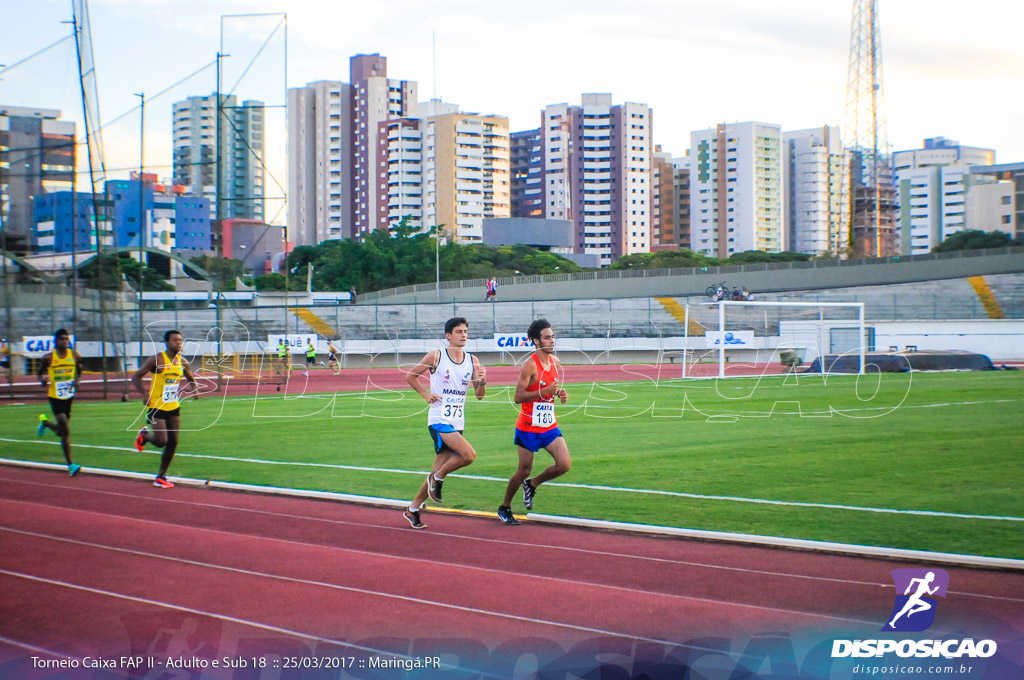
(535, 441)
(435, 436)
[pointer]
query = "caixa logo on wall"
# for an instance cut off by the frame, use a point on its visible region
(38, 345)
(913, 611)
(512, 342)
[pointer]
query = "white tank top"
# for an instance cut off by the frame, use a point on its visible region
(451, 381)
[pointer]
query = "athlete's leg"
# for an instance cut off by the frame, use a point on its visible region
(157, 435)
(461, 454)
(559, 450)
(521, 473)
(63, 431)
(171, 426)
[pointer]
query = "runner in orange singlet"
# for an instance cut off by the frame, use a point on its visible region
(537, 427)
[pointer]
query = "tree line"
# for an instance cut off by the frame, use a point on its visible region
(406, 256)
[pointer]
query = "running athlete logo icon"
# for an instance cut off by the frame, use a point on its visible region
(914, 609)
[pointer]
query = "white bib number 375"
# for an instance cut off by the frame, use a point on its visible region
(170, 393)
(543, 414)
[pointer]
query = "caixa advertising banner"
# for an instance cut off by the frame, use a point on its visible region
(512, 342)
(38, 345)
(297, 343)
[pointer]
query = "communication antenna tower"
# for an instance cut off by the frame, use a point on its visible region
(867, 180)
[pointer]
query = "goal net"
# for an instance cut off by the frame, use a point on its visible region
(745, 338)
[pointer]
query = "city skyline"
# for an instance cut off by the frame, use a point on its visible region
(694, 65)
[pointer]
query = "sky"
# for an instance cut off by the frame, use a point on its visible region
(950, 69)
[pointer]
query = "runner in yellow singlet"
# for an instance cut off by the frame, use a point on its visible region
(163, 401)
(59, 372)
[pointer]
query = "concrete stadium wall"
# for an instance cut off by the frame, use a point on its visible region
(758, 278)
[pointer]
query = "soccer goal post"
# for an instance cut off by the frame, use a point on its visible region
(757, 338)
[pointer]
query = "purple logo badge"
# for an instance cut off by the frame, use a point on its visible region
(916, 590)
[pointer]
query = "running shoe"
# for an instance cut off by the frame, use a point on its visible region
(414, 519)
(434, 488)
(506, 516)
(140, 442)
(162, 482)
(73, 469)
(42, 425)
(528, 491)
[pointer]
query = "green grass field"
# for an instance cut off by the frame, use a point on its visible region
(949, 443)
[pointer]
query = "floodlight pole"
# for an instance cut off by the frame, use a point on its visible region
(721, 338)
(142, 218)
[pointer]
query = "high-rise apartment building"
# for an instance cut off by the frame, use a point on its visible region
(664, 229)
(940, 151)
(681, 201)
(815, 214)
(375, 99)
(736, 189)
(527, 167)
(933, 184)
(402, 156)
(597, 165)
(162, 215)
(240, 135)
(319, 162)
(1013, 173)
(466, 173)
(37, 157)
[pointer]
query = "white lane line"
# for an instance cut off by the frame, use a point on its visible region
(32, 648)
(332, 586)
(199, 612)
(515, 544)
(588, 487)
(631, 591)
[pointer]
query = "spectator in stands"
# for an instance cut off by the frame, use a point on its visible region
(5, 356)
(352, 295)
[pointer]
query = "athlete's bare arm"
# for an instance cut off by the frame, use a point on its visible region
(147, 367)
(479, 379)
(526, 376)
(44, 364)
(186, 368)
(427, 363)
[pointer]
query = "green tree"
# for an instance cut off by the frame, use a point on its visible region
(760, 256)
(972, 239)
(269, 282)
(224, 270)
(118, 269)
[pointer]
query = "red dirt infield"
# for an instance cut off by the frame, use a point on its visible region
(94, 567)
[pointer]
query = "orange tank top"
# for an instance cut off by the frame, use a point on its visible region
(539, 416)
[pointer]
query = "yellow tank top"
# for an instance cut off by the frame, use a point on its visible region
(163, 390)
(62, 376)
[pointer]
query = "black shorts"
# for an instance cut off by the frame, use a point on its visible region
(331, 357)
(155, 414)
(310, 360)
(59, 406)
(435, 438)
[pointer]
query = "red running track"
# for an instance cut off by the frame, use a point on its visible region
(102, 567)
(321, 380)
